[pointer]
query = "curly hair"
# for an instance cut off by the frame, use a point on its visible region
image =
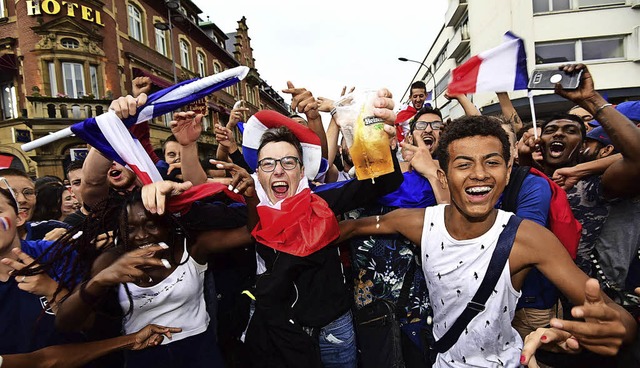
(470, 126)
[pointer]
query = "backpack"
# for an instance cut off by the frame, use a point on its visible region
(561, 221)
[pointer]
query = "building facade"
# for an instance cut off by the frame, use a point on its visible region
(64, 61)
(604, 34)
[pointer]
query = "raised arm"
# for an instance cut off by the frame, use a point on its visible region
(187, 127)
(469, 108)
(508, 111)
(567, 177)
(304, 102)
(621, 178)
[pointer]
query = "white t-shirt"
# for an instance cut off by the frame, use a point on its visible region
(454, 270)
(177, 301)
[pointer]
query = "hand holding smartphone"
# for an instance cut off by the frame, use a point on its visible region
(547, 78)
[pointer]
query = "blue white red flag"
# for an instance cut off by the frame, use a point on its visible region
(500, 69)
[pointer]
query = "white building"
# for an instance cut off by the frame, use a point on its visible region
(604, 34)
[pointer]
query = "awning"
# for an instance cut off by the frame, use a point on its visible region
(158, 81)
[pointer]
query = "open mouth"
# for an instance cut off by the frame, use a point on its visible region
(478, 193)
(280, 189)
(115, 174)
(556, 149)
(429, 141)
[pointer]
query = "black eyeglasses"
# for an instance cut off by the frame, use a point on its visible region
(422, 125)
(269, 164)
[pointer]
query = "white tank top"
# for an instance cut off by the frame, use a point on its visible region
(177, 301)
(454, 270)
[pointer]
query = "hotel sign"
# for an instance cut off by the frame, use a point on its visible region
(55, 7)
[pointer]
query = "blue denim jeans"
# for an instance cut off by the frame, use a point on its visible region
(338, 343)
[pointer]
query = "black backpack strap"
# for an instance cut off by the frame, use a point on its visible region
(477, 303)
(510, 194)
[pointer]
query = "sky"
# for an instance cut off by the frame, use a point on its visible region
(326, 45)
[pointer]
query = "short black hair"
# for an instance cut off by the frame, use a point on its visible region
(74, 165)
(281, 134)
(14, 172)
(566, 116)
(425, 109)
(171, 138)
(470, 126)
(418, 84)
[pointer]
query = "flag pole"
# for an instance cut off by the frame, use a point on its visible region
(533, 114)
(52, 137)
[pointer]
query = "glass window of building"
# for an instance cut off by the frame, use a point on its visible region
(597, 49)
(53, 80)
(590, 3)
(543, 6)
(202, 65)
(555, 52)
(442, 85)
(8, 101)
(93, 75)
(161, 42)
(73, 77)
(185, 59)
(69, 43)
(135, 23)
(216, 68)
(442, 56)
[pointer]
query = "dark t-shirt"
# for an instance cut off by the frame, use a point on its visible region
(75, 218)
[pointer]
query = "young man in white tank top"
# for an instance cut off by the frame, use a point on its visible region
(457, 241)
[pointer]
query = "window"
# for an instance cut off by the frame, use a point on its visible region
(442, 56)
(69, 43)
(589, 3)
(135, 23)
(93, 75)
(161, 42)
(250, 95)
(185, 59)
(597, 49)
(52, 78)
(202, 66)
(543, 6)
(442, 85)
(73, 77)
(3, 9)
(8, 102)
(580, 50)
(557, 52)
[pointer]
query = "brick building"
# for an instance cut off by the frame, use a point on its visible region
(61, 62)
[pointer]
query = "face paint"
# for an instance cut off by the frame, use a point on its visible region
(5, 223)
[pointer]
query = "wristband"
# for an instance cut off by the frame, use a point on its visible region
(599, 109)
(333, 111)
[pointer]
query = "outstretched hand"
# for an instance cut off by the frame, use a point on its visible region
(154, 195)
(241, 181)
(602, 331)
(419, 157)
(550, 339)
(302, 101)
(225, 138)
(40, 284)
(186, 127)
(151, 335)
(131, 265)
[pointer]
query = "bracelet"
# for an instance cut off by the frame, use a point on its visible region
(333, 111)
(599, 109)
(88, 298)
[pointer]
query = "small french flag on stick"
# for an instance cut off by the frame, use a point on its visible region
(500, 69)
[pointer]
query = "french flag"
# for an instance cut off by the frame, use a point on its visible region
(263, 120)
(110, 135)
(501, 69)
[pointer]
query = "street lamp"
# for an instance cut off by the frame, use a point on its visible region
(428, 72)
(171, 5)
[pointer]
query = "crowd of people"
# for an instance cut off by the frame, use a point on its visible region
(497, 244)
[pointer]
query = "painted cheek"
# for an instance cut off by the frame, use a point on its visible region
(5, 223)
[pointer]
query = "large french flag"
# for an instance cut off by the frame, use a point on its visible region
(501, 69)
(263, 120)
(110, 135)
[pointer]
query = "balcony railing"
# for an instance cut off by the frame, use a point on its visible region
(65, 108)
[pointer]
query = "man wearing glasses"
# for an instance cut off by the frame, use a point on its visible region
(426, 126)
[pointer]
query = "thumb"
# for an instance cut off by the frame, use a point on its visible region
(290, 85)
(181, 187)
(592, 292)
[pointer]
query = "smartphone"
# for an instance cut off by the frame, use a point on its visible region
(547, 79)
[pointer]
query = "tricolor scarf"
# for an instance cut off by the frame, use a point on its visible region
(299, 225)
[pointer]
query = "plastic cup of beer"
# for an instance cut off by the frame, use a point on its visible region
(368, 142)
